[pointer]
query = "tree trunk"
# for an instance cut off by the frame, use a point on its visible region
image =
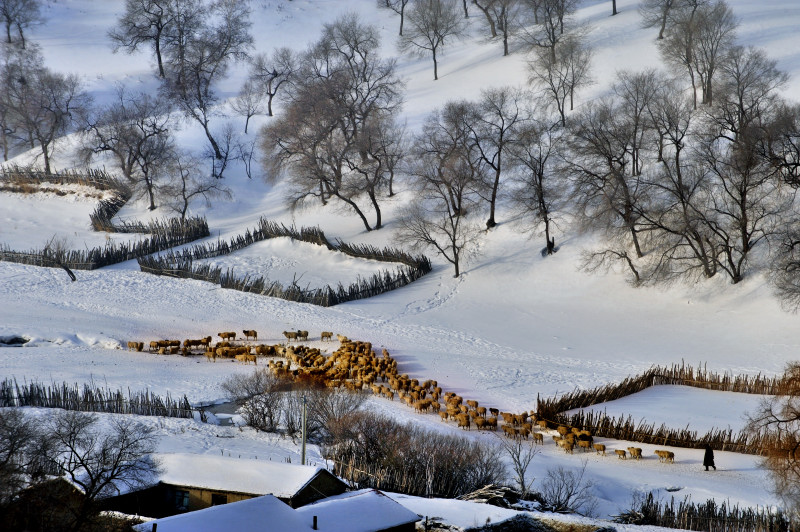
(355, 208)
(707, 93)
(493, 201)
(69, 272)
(489, 18)
(161, 73)
(374, 200)
(435, 69)
(214, 145)
(45, 149)
(8, 32)
(149, 184)
(663, 23)
(5, 144)
(613, 7)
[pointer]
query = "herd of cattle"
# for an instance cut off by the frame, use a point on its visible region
(355, 366)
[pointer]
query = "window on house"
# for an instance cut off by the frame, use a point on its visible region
(218, 498)
(181, 499)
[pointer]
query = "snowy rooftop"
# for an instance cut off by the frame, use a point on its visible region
(259, 477)
(357, 511)
(261, 514)
(360, 511)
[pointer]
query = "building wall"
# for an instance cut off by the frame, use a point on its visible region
(321, 486)
(202, 498)
(163, 500)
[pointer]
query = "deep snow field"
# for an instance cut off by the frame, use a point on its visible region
(513, 326)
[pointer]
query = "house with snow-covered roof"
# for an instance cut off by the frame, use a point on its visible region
(360, 511)
(366, 510)
(263, 514)
(190, 482)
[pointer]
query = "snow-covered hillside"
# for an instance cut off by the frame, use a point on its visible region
(513, 326)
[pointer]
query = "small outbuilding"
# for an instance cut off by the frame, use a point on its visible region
(190, 482)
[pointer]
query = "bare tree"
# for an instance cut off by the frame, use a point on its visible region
(677, 49)
(552, 17)
(445, 175)
(398, 6)
(677, 191)
(260, 395)
(521, 454)
(656, 13)
(391, 146)
(485, 9)
(716, 31)
(372, 163)
(538, 192)
(502, 16)
(700, 35)
(785, 268)
(187, 183)
(269, 74)
(494, 127)
(56, 249)
(327, 407)
(635, 92)
(606, 192)
(507, 15)
(23, 454)
(246, 153)
(432, 23)
(341, 110)
(144, 22)
(20, 14)
(568, 491)
(17, 63)
(135, 130)
(199, 56)
(750, 200)
(782, 146)
(249, 102)
(559, 72)
(778, 419)
(529, 11)
(101, 462)
(45, 105)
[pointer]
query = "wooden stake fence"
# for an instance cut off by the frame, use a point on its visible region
(180, 264)
(91, 399)
(709, 516)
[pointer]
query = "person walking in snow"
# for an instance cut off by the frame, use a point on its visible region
(708, 458)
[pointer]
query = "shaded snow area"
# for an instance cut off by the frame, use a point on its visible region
(679, 407)
(290, 262)
(28, 221)
(513, 327)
